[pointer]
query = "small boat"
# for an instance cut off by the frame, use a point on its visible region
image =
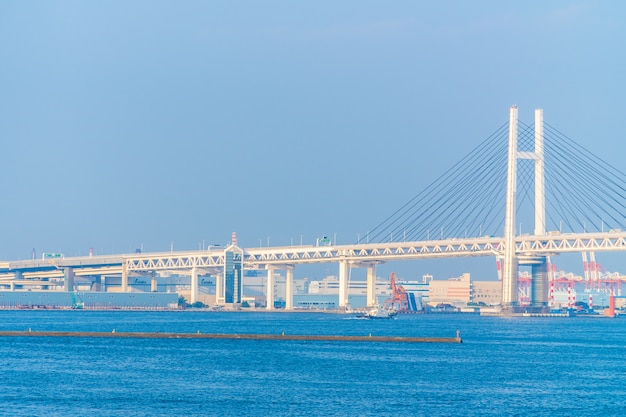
(377, 312)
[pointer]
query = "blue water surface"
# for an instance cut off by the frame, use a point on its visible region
(511, 367)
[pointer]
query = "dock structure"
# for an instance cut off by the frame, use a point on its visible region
(198, 335)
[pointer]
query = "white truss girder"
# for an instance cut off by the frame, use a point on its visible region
(259, 258)
(289, 256)
(174, 261)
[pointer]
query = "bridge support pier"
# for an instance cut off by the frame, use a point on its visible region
(289, 289)
(97, 283)
(219, 289)
(510, 299)
(18, 276)
(371, 286)
(153, 283)
(194, 285)
(269, 290)
(343, 284)
(539, 284)
(68, 279)
(124, 276)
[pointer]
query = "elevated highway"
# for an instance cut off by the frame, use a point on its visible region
(36, 272)
(261, 258)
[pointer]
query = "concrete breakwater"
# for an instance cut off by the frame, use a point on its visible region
(198, 335)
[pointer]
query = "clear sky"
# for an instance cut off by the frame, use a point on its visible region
(159, 123)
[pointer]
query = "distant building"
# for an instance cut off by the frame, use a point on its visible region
(419, 289)
(461, 291)
(456, 291)
(487, 292)
(330, 285)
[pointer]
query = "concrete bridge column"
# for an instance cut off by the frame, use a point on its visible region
(18, 276)
(153, 283)
(289, 289)
(219, 297)
(539, 284)
(510, 298)
(269, 290)
(194, 285)
(97, 283)
(124, 276)
(343, 284)
(371, 286)
(68, 279)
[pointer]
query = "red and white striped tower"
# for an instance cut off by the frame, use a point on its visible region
(234, 238)
(569, 295)
(590, 302)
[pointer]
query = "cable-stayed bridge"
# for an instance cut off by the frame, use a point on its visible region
(522, 177)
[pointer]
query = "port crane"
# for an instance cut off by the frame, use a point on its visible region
(598, 278)
(401, 300)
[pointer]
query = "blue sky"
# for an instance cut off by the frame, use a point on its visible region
(139, 124)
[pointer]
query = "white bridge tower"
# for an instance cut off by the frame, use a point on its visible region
(539, 291)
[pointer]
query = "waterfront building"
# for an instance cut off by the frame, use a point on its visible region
(330, 285)
(462, 291)
(419, 289)
(455, 291)
(486, 292)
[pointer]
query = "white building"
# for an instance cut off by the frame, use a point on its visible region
(330, 285)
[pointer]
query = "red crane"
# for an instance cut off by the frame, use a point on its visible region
(399, 300)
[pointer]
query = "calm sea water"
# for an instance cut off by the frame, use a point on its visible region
(510, 367)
